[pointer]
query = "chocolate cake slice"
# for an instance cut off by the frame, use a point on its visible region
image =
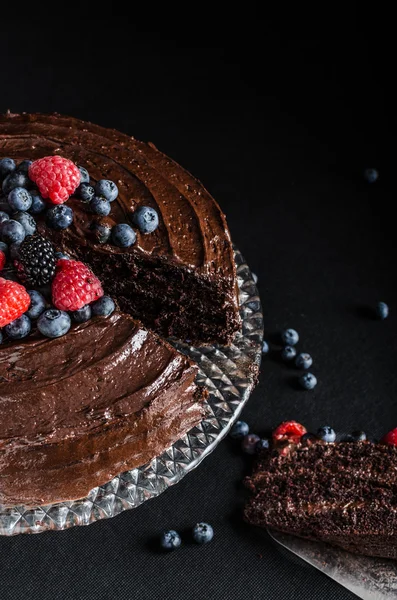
(77, 410)
(342, 493)
(181, 279)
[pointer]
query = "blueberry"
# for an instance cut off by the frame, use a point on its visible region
(102, 232)
(59, 217)
(202, 533)
(290, 337)
(20, 199)
(357, 436)
(146, 219)
(85, 192)
(82, 314)
(123, 235)
(263, 444)
(248, 445)
(308, 381)
(308, 438)
(382, 310)
(103, 307)
(84, 175)
(61, 255)
(288, 353)
(38, 204)
(3, 216)
(14, 251)
(7, 166)
(4, 248)
(100, 206)
(303, 361)
(19, 328)
(326, 434)
(371, 175)
(24, 166)
(254, 278)
(14, 180)
(27, 222)
(170, 540)
(239, 430)
(12, 232)
(265, 347)
(53, 323)
(37, 304)
(108, 189)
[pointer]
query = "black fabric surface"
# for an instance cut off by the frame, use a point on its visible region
(279, 129)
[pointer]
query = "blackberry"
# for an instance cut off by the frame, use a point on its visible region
(36, 261)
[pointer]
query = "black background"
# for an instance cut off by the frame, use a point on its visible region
(279, 123)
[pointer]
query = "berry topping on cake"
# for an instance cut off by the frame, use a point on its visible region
(82, 315)
(74, 285)
(326, 434)
(38, 204)
(53, 323)
(37, 304)
(100, 206)
(27, 222)
(14, 180)
(3, 216)
(12, 232)
(123, 235)
(36, 261)
(56, 177)
(146, 219)
(390, 438)
(85, 192)
(19, 199)
(106, 188)
(59, 217)
(19, 328)
(7, 166)
(14, 301)
(103, 307)
(290, 431)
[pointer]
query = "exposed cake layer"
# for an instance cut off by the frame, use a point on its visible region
(342, 493)
(190, 253)
(78, 410)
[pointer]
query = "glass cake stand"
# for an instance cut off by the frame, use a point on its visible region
(229, 375)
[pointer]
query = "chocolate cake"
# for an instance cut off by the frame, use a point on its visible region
(343, 493)
(77, 410)
(179, 280)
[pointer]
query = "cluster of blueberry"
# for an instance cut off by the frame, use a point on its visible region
(202, 533)
(99, 198)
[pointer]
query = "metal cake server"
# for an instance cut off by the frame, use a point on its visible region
(368, 578)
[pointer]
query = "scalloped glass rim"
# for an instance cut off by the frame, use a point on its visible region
(229, 375)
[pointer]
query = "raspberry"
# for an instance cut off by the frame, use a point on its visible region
(56, 177)
(290, 431)
(2, 260)
(14, 301)
(390, 438)
(74, 285)
(36, 260)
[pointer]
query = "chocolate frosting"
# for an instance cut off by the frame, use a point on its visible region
(78, 410)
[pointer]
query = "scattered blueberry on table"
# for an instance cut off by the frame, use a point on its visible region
(239, 430)
(202, 533)
(263, 444)
(265, 347)
(371, 175)
(303, 360)
(288, 353)
(308, 381)
(249, 443)
(326, 434)
(290, 337)
(170, 540)
(382, 310)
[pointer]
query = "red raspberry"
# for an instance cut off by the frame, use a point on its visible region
(56, 177)
(390, 438)
(14, 301)
(2, 260)
(290, 431)
(74, 285)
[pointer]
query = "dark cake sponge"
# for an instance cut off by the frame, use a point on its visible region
(343, 493)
